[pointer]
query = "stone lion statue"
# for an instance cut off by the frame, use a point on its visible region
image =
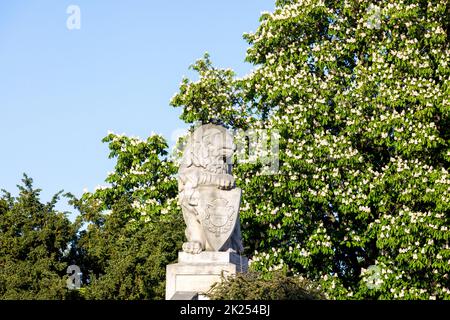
(205, 167)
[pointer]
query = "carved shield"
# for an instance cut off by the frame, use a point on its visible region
(219, 211)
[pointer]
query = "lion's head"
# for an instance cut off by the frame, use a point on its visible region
(210, 147)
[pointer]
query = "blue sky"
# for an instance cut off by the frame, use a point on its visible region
(61, 90)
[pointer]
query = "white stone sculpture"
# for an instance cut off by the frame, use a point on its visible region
(210, 202)
(208, 196)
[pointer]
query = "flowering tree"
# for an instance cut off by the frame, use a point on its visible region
(359, 94)
(133, 225)
(143, 176)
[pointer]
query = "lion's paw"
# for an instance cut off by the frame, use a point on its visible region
(226, 181)
(192, 247)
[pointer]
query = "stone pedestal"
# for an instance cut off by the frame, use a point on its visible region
(196, 273)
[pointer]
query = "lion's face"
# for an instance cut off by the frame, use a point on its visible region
(220, 145)
(219, 149)
(212, 148)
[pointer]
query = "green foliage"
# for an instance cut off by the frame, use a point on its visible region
(143, 176)
(273, 286)
(133, 226)
(215, 98)
(34, 241)
(130, 259)
(359, 93)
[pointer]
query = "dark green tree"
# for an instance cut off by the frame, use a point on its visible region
(259, 286)
(133, 227)
(34, 246)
